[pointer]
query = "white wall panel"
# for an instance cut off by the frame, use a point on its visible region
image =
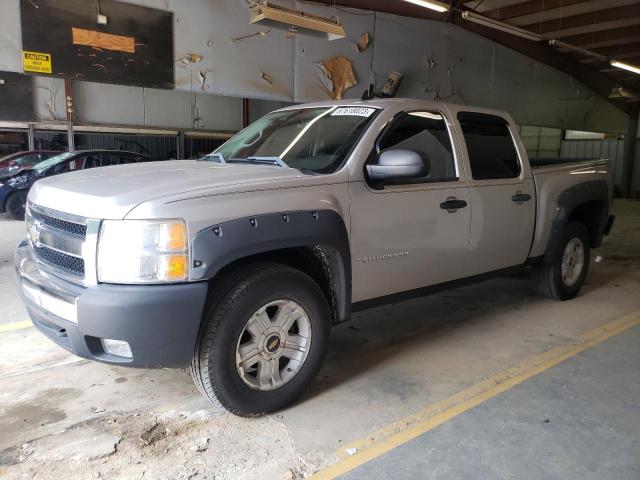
(466, 68)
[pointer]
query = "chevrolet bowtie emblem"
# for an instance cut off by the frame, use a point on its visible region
(34, 232)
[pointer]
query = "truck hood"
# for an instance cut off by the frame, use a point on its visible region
(111, 192)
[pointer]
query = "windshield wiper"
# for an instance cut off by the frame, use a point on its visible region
(276, 161)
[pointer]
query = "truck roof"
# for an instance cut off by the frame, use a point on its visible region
(389, 102)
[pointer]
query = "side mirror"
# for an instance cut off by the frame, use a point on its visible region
(397, 165)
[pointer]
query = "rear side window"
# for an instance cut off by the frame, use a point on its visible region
(492, 153)
(425, 133)
(109, 159)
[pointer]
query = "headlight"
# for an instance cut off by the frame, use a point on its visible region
(143, 251)
(17, 181)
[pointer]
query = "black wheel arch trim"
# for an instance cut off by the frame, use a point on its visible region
(222, 244)
(568, 200)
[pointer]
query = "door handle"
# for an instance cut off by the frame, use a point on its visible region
(521, 197)
(453, 204)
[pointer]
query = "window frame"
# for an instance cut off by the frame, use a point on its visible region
(376, 151)
(506, 180)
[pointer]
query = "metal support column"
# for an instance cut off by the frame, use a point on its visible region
(68, 93)
(245, 113)
(31, 135)
(71, 143)
(180, 151)
(629, 155)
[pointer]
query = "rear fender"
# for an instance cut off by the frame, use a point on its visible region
(568, 201)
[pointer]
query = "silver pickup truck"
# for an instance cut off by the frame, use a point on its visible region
(238, 264)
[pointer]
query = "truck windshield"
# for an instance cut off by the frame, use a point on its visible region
(315, 140)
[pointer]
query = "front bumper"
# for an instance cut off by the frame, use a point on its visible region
(159, 322)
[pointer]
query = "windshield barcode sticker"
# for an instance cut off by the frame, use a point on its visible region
(353, 111)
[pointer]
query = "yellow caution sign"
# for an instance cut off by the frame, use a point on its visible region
(36, 62)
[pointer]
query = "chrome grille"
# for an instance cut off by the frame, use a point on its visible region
(69, 263)
(59, 224)
(61, 243)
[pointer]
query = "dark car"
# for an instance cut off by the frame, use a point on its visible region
(11, 164)
(15, 187)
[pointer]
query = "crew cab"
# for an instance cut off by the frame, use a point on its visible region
(238, 264)
(15, 184)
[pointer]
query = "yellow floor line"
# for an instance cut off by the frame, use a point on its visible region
(8, 327)
(401, 431)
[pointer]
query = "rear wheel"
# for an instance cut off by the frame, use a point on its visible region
(563, 279)
(17, 205)
(263, 341)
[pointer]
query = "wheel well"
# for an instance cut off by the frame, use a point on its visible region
(592, 215)
(9, 197)
(316, 261)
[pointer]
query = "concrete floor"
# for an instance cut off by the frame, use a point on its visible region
(61, 417)
(575, 420)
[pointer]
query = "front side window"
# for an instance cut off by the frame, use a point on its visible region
(492, 153)
(425, 133)
(312, 140)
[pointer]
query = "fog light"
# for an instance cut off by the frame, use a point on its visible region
(119, 348)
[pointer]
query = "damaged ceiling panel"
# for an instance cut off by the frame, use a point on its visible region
(340, 71)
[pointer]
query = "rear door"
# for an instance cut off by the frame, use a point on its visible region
(403, 236)
(502, 193)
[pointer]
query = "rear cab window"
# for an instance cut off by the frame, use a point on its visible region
(490, 146)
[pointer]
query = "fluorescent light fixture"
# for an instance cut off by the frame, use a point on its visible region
(625, 66)
(266, 11)
(431, 5)
(503, 27)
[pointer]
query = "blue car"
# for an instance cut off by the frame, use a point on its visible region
(14, 187)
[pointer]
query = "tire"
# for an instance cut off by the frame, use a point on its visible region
(16, 205)
(558, 284)
(232, 325)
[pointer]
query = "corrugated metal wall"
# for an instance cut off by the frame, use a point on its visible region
(158, 147)
(543, 142)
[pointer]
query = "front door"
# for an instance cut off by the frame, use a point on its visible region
(411, 234)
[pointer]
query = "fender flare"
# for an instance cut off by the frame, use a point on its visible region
(567, 201)
(222, 244)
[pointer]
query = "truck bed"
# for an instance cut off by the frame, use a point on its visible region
(542, 162)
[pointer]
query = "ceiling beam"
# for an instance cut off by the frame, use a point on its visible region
(565, 11)
(587, 39)
(396, 7)
(631, 49)
(527, 8)
(586, 19)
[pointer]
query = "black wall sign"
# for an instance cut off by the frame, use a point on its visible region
(63, 38)
(16, 97)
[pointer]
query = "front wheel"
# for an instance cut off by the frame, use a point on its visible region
(563, 279)
(17, 205)
(263, 341)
